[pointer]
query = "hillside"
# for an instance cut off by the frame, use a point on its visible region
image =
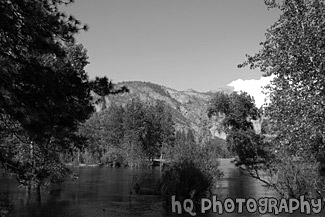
(189, 107)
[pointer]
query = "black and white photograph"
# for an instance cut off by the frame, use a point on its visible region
(162, 108)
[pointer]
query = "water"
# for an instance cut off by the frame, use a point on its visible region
(107, 192)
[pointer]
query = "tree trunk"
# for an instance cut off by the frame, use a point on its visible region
(38, 193)
(78, 157)
(161, 163)
(103, 102)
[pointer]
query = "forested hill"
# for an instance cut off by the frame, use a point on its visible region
(189, 107)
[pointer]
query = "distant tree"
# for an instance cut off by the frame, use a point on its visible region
(149, 126)
(219, 147)
(180, 136)
(113, 125)
(103, 87)
(92, 129)
(237, 110)
(190, 136)
(134, 128)
(105, 133)
(135, 133)
(165, 127)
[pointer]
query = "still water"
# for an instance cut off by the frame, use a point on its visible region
(102, 191)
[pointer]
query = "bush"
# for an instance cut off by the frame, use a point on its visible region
(219, 148)
(113, 158)
(204, 157)
(298, 176)
(185, 180)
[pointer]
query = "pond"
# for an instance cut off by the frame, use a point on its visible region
(103, 191)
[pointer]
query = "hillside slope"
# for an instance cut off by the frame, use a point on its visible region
(189, 107)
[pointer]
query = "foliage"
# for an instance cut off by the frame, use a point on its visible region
(132, 134)
(298, 177)
(266, 126)
(254, 151)
(186, 180)
(251, 148)
(149, 127)
(103, 87)
(186, 149)
(29, 28)
(219, 148)
(44, 88)
(237, 110)
(32, 150)
(35, 63)
(293, 53)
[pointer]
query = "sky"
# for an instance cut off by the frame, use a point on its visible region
(180, 44)
(254, 87)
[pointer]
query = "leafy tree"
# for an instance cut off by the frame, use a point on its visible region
(134, 129)
(149, 126)
(32, 35)
(52, 122)
(293, 53)
(219, 147)
(238, 110)
(105, 133)
(34, 27)
(113, 125)
(252, 150)
(131, 134)
(44, 88)
(92, 130)
(103, 87)
(190, 136)
(180, 136)
(165, 128)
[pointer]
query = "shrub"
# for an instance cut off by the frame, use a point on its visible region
(113, 158)
(185, 180)
(297, 176)
(204, 157)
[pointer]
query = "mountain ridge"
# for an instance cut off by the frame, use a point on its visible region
(188, 107)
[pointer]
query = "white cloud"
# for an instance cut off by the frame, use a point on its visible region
(253, 87)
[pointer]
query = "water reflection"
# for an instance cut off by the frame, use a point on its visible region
(107, 192)
(236, 185)
(97, 192)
